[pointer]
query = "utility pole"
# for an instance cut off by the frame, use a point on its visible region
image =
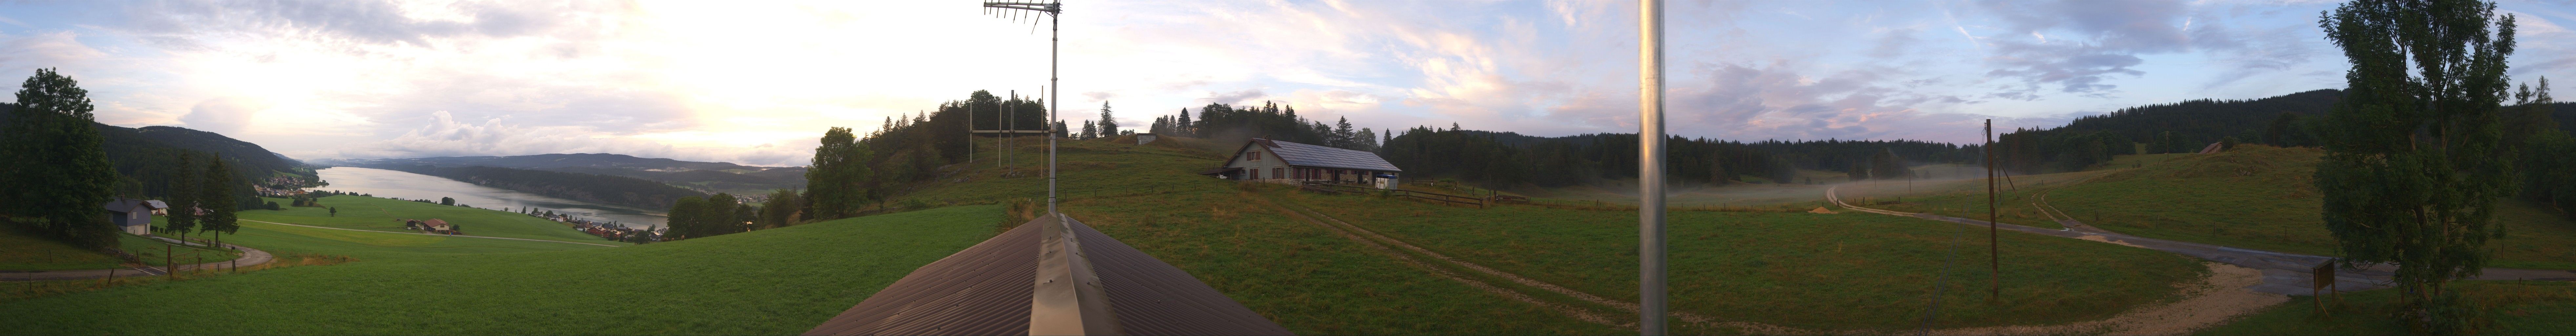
(1994, 256)
(1650, 167)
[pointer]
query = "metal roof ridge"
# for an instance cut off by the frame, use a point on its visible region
(1068, 298)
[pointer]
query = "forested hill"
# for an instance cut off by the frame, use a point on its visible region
(146, 158)
(2196, 123)
(704, 176)
(594, 188)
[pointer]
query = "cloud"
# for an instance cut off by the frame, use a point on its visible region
(223, 115)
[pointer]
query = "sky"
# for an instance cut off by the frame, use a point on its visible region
(757, 82)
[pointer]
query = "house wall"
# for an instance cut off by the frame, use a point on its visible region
(1270, 165)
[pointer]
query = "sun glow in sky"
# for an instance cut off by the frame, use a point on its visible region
(755, 82)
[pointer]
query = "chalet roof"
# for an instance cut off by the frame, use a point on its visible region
(123, 205)
(434, 222)
(157, 204)
(1306, 155)
(993, 288)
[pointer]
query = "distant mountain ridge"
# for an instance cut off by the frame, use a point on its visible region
(710, 177)
(544, 161)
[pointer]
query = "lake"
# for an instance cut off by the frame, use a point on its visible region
(402, 185)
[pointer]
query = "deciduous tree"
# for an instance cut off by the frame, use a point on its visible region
(56, 175)
(2414, 162)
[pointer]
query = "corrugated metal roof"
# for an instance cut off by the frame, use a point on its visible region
(1299, 154)
(983, 290)
(1154, 298)
(986, 290)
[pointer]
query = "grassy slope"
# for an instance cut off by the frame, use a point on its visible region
(381, 214)
(1964, 198)
(2261, 197)
(779, 281)
(2511, 308)
(21, 252)
(1834, 272)
(1298, 275)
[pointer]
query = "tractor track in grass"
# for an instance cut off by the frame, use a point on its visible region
(2216, 298)
(1578, 313)
(1373, 239)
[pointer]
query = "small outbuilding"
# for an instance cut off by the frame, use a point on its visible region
(130, 215)
(1144, 138)
(1289, 162)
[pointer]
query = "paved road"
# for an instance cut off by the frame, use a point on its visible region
(250, 257)
(428, 234)
(2283, 273)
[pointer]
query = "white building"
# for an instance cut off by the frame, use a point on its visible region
(1289, 162)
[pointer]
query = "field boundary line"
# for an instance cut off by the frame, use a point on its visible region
(1578, 313)
(425, 234)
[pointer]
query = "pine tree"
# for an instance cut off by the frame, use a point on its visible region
(1089, 130)
(56, 174)
(1108, 124)
(1343, 137)
(183, 197)
(2413, 165)
(217, 196)
(1184, 126)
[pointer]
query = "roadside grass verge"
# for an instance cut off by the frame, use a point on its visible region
(383, 214)
(1831, 272)
(23, 290)
(1305, 277)
(2262, 197)
(2506, 308)
(777, 281)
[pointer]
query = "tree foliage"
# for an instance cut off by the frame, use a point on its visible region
(56, 175)
(2414, 158)
(837, 185)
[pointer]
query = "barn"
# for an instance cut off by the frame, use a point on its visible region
(1289, 162)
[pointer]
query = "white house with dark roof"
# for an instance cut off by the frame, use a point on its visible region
(130, 215)
(1289, 162)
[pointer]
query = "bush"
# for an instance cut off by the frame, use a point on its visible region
(1021, 210)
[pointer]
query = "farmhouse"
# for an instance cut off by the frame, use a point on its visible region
(130, 215)
(1289, 162)
(432, 225)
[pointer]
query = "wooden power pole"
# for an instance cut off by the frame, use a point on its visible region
(1995, 258)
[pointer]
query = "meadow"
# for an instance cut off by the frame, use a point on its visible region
(22, 252)
(384, 214)
(2261, 197)
(2506, 308)
(1851, 271)
(778, 281)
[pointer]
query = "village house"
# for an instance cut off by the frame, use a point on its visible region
(1288, 162)
(159, 208)
(130, 215)
(432, 225)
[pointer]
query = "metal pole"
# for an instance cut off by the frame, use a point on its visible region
(1650, 167)
(1055, 29)
(1995, 260)
(1010, 123)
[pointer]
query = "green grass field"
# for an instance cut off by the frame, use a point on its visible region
(778, 281)
(1851, 271)
(2508, 308)
(2261, 197)
(382, 214)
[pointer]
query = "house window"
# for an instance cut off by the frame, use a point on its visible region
(1256, 174)
(1256, 156)
(1276, 172)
